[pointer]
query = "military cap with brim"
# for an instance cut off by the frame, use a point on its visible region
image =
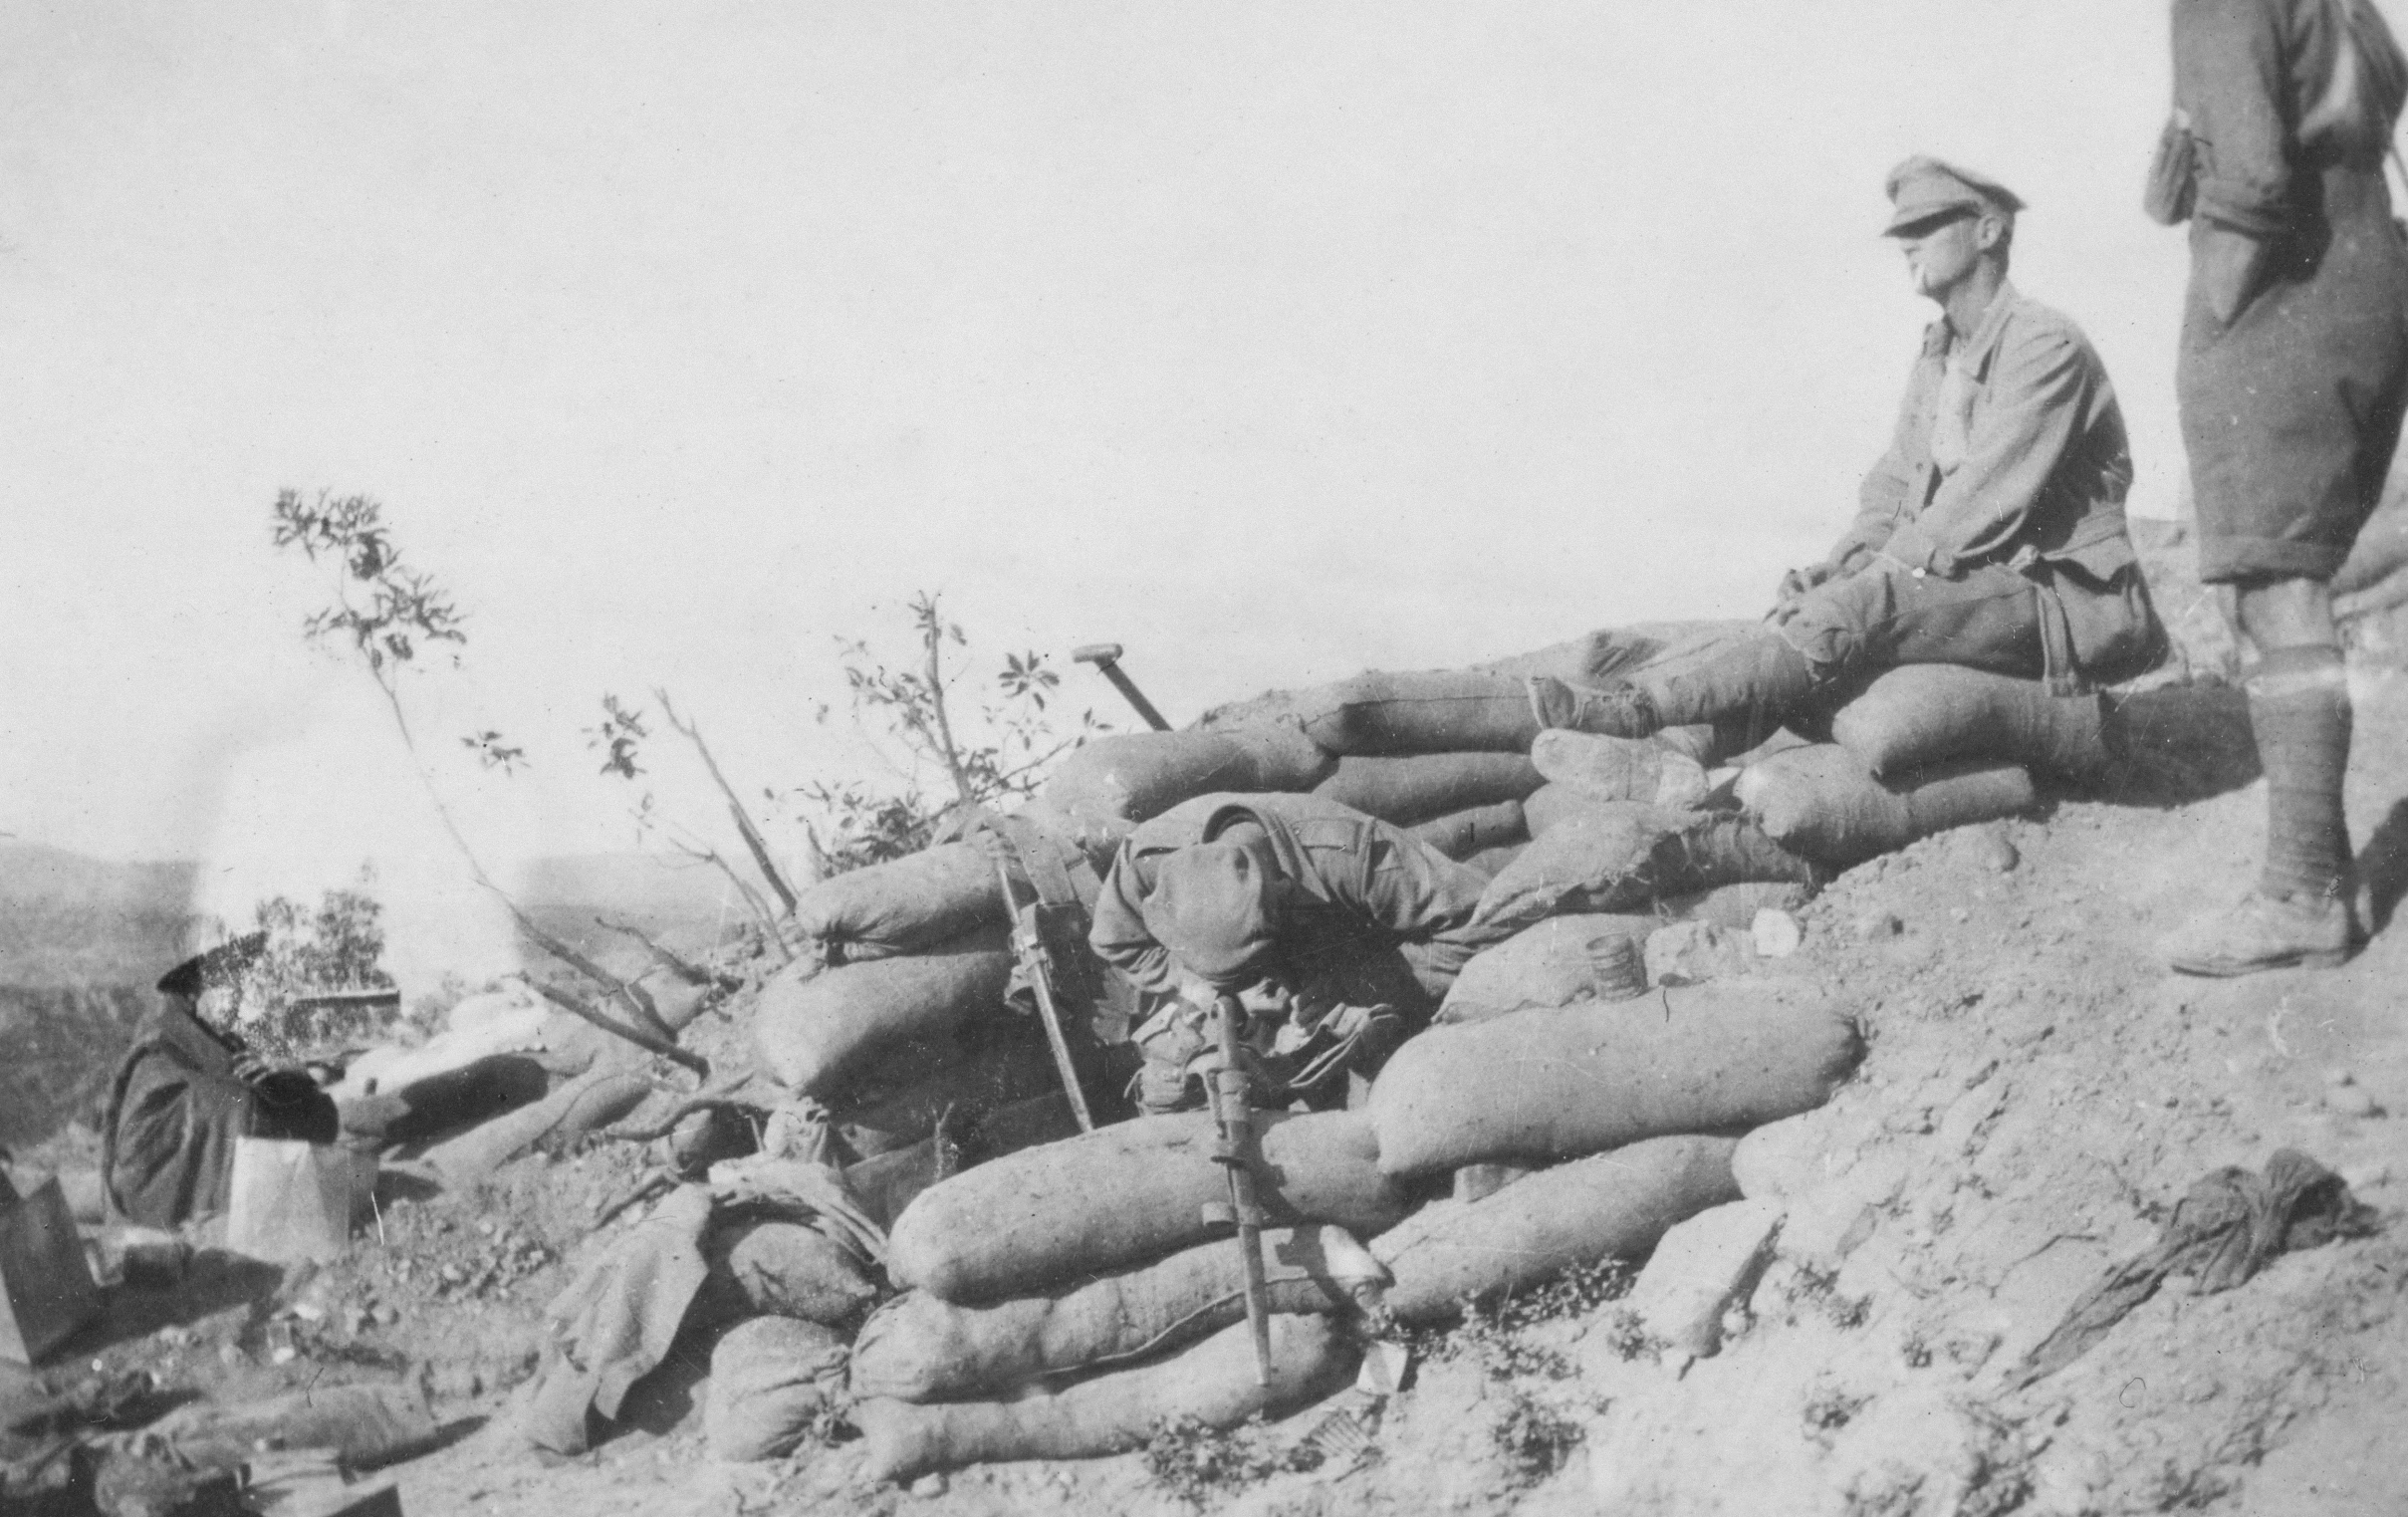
(1211, 908)
(1924, 189)
(221, 965)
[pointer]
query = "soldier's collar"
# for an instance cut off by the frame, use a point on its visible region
(1940, 338)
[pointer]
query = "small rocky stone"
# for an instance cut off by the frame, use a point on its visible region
(1704, 1268)
(1691, 954)
(1999, 853)
(1872, 926)
(2340, 1077)
(929, 1485)
(1777, 934)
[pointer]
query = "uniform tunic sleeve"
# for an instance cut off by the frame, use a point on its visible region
(1116, 928)
(2041, 385)
(2230, 76)
(173, 1141)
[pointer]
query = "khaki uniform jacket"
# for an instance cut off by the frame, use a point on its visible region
(2022, 448)
(1358, 877)
(175, 1109)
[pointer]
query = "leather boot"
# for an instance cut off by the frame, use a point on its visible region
(2266, 932)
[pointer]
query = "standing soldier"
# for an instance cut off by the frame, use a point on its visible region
(2292, 377)
(1992, 531)
(1356, 927)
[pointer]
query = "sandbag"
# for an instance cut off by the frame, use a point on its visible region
(786, 1269)
(1378, 713)
(1562, 1083)
(1213, 1383)
(1137, 775)
(1609, 1206)
(771, 1378)
(816, 1031)
(1618, 769)
(1049, 1216)
(1822, 802)
(585, 1104)
(919, 1348)
(1404, 791)
(1556, 962)
(2182, 742)
(1920, 714)
(1734, 905)
(1476, 831)
(1619, 856)
(904, 905)
(1094, 835)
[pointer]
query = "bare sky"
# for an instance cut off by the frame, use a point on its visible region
(1271, 339)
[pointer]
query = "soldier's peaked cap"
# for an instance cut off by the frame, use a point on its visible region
(1924, 188)
(1211, 908)
(221, 965)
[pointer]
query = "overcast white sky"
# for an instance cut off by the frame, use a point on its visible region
(1271, 339)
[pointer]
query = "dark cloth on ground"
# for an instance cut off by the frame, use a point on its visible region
(2223, 1233)
(616, 1321)
(2291, 411)
(176, 1108)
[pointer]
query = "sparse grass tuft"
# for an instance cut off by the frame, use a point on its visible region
(1534, 1438)
(1196, 1461)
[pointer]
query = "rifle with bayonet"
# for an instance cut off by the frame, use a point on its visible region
(1240, 1156)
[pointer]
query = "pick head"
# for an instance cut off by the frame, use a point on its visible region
(1097, 652)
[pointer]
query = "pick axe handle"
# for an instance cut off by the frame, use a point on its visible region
(1111, 668)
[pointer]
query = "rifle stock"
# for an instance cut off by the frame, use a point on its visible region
(1037, 967)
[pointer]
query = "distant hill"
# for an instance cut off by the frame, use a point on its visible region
(81, 943)
(69, 920)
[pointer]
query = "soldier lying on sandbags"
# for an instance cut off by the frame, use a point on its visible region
(1355, 928)
(1990, 534)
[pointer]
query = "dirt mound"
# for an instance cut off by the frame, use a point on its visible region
(2037, 1095)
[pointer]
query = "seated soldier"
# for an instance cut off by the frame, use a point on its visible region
(1990, 534)
(187, 1088)
(1351, 927)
